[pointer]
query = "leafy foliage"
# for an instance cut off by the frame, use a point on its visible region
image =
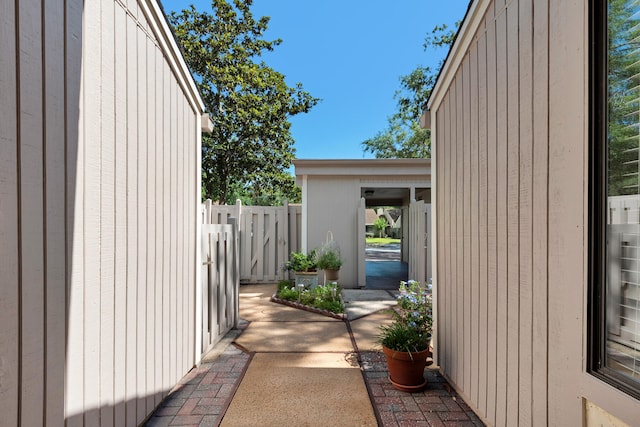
(380, 224)
(251, 146)
(403, 137)
(328, 256)
(413, 320)
(299, 261)
(623, 95)
(323, 297)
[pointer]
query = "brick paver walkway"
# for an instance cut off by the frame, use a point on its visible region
(203, 395)
(437, 405)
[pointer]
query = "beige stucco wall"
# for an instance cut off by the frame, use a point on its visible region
(334, 207)
(510, 121)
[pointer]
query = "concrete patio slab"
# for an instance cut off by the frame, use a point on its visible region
(362, 302)
(319, 336)
(301, 390)
(366, 329)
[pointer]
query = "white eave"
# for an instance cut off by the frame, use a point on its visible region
(419, 168)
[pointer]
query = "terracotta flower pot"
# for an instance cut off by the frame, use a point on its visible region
(406, 370)
(332, 275)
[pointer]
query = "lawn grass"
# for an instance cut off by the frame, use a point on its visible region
(378, 241)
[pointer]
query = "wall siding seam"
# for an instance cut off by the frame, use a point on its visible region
(66, 213)
(139, 23)
(547, 162)
(45, 260)
(514, 287)
(19, 207)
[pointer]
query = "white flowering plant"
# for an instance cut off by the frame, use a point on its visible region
(413, 319)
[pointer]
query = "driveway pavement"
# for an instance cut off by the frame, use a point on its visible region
(383, 267)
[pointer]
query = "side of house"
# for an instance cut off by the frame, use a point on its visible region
(510, 118)
(99, 211)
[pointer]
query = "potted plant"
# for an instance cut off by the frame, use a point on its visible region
(304, 267)
(406, 341)
(329, 259)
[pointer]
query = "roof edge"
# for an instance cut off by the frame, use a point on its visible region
(360, 162)
(470, 24)
(158, 20)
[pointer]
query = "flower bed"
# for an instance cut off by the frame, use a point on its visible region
(322, 299)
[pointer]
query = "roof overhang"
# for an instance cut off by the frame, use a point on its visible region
(383, 182)
(418, 168)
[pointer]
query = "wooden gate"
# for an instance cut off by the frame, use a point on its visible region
(419, 244)
(266, 236)
(220, 282)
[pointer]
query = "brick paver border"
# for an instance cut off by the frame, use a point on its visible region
(437, 405)
(202, 397)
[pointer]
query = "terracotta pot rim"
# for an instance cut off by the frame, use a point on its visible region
(405, 355)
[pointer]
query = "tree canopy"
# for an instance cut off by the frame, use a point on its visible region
(623, 94)
(251, 146)
(403, 137)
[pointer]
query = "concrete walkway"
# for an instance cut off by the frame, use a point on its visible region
(291, 367)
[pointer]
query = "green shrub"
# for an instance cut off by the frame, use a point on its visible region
(328, 256)
(299, 261)
(321, 297)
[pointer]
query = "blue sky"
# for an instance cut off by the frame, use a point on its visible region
(351, 54)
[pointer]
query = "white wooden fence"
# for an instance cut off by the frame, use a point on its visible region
(267, 234)
(623, 278)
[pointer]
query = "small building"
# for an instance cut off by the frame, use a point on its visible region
(100, 127)
(535, 195)
(335, 197)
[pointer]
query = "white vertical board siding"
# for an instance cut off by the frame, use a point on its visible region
(490, 154)
(97, 212)
(132, 214)
(55, 267)
(120, 270)
(539, 194)
(529, 89)
(9, 218)
(74, 127)
(567, 154)
(31, 194)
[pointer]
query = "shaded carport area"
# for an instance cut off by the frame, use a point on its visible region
(384, 267)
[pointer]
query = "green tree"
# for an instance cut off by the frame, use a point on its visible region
(251, 146)
(403, 137)
(623, 96)
(380, 224)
